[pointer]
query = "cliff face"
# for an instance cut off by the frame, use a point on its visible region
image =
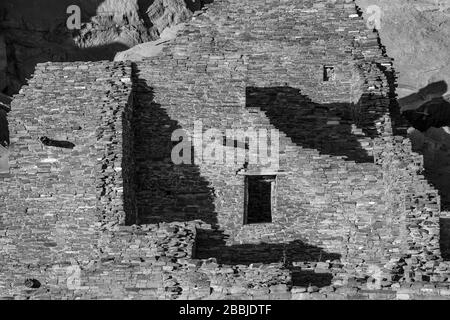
(35, 31)
(417, 35)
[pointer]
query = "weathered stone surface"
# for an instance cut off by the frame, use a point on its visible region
(114, 217)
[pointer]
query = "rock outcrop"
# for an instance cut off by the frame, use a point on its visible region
(151, 48)
(416, 35)
(32, 35)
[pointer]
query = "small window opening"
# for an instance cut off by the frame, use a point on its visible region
(55, 143)
(328, 73)
(259, 199)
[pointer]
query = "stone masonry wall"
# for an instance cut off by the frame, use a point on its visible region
(56, 198)
(261, 66)
(414, 208)
(63, 210)
(352, 217)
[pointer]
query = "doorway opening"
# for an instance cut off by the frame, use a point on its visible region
(260, 194)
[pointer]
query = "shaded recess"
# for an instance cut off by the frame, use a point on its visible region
(56, 143)
(259, 193)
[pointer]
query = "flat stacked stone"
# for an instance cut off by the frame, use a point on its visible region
(352, 214)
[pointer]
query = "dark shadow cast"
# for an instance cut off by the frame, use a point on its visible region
(424, 110)
(56, 143)
(426, 94)
(444, 238)
(4, 131)
(324, 127)
(434, 113)
(194, 5)
(4, 134)
(165, 192)
(143, 6)
(98, 53)
(211, 244)
(306, 278)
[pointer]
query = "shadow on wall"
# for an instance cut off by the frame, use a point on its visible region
(424, 110)
(166, 192)
(306, 278)
(4, 132)
(444, 239)
(211, 244)
(4, 142)
(324, 127)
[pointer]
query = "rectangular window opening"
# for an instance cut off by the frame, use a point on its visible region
(259, 199)
(328, 73)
